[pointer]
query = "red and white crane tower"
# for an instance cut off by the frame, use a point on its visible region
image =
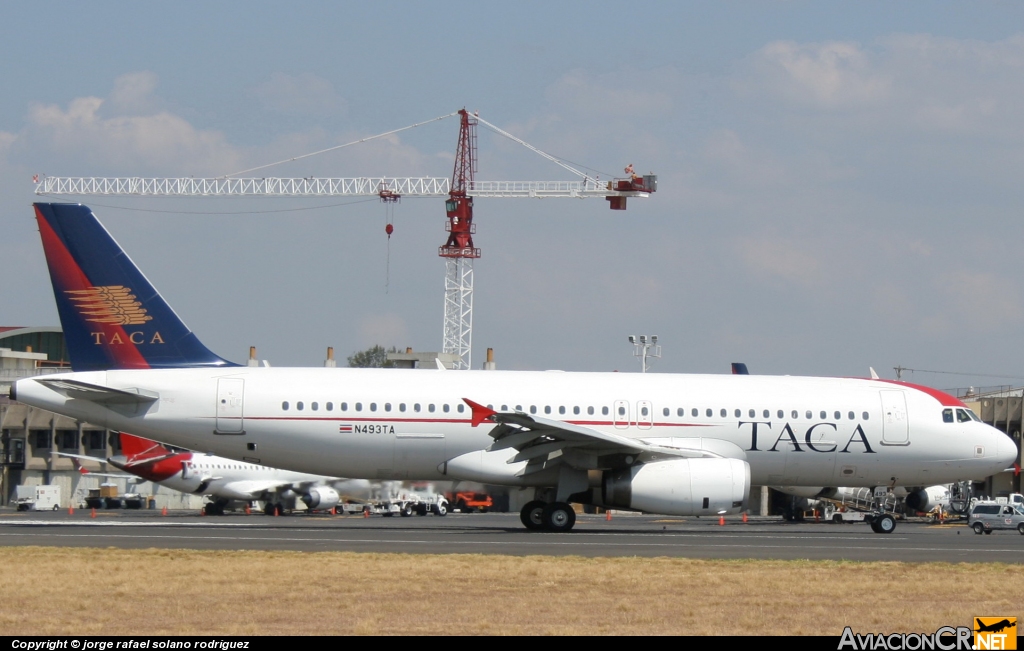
(458, 251)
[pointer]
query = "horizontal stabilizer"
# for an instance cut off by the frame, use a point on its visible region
(100, 394)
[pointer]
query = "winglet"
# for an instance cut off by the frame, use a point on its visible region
(874, 376)
(480, 413)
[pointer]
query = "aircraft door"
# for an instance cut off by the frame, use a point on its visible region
(230, 392)
(895, 424)
(620, 414)
(644, 414)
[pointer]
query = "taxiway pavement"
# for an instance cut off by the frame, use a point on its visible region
(502, 533)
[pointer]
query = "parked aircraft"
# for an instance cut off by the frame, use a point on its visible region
(660, 443)
(227, 480)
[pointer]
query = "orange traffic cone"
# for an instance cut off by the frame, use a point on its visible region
(608, 515)
(93, 513)
(248, 509)
(202, 511)
(744, 516)
(816, 515)
(277, 510)
(71, 510)
(366, 513)
(163, 511)
(721, 520)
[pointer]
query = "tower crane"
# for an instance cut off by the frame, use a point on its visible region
(459, 192)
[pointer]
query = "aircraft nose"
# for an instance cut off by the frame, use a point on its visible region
(1006, 450)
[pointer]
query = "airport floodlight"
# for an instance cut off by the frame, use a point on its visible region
(644, 349)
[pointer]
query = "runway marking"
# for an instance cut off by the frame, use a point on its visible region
(545, 543)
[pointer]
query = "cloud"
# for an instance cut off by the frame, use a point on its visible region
(832, 75)
(785, 259)
(304, 94)
(126, 144)
(133, 94)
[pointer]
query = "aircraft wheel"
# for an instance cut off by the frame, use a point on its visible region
(979, 528)
(532, 515)
(406, 510)
(885, 523)
(559, 517)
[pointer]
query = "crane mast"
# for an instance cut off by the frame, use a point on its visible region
(458, 251)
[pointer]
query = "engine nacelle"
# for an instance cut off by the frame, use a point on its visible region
(321, 497)
(680, 487)
(926, 499)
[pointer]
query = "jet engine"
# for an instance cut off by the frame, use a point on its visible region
(926, 499)
(321, 497)
(680, 487)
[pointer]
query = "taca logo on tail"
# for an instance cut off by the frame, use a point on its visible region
(113, 318)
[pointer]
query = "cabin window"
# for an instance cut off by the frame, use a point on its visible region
(604, 411)
(693, 412)
(781, 414)
(795, 414)
(314, 406)
(851, 416)
(576, 411)
(504, 407)
(359, 406)
(561, 409)
(330, 406)
(446, 408)
(547, 409)
(765, 413)
(373, 406)
(708, 413)
(519, 408)
(284, 406)
(838, 415)
(401, 406)
(344, 406)
(665, 412)
(533, 409)
(823, 415)
(809, 414)
(430, 407)
(751, 413)
(299, 405)
(387, 406)
(622, 410)
(462, 407)
(680, 412)
(864, 415)
(737, 413)
(590, 411)
(416, 407)
(722, 413)
(644, 411)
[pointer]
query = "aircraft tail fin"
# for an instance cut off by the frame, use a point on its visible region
(137, 449)
(739, 368)
(112, 316)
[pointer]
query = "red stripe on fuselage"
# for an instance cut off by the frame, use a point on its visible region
(68, 276)
(944, 398)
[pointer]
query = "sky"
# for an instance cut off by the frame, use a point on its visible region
(838, 182)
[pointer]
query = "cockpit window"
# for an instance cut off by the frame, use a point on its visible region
(962, 416)
(947, 415)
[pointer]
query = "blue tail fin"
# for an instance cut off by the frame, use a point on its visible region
(739, 368)
(112, 316)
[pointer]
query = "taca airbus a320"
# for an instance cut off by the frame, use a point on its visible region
(658, 443)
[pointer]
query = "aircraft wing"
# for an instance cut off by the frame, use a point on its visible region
(85, 471)
(99, 394)
(249, 489)
(543, 440)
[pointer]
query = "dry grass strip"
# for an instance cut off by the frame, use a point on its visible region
(121, 592)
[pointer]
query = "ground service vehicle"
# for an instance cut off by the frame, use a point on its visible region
(988, 516)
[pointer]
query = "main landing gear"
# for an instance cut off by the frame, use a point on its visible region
(881, 522)
(541, 516)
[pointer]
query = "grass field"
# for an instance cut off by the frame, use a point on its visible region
(108, 591)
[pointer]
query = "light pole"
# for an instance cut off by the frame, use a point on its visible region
(643, 349)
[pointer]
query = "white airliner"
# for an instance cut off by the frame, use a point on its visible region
(226, 480)
(659, 443)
